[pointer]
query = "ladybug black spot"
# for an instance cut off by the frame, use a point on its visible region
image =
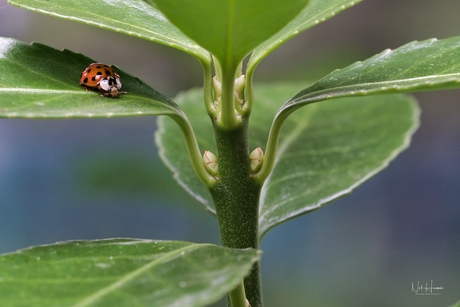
(93, 78)
(99, 66)
(85, 80)
(88, 70)
(107, 72)
(99, 73)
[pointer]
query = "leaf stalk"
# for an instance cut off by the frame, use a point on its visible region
(238, 297)
(193, 149)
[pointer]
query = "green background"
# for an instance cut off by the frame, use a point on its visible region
(88, 179)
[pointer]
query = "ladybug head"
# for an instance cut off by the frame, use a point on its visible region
(110, 86)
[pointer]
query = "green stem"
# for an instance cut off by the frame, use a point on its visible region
(249, 93)
(235, 193)
(272, 146)
(236, 198)
(207, 89)
(193, 149)
(228, 117)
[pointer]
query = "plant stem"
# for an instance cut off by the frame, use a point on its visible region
(236, 198)
(236, 193)
(228, 116)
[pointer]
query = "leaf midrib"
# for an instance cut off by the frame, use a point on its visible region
(25, 90)
(128, 277)
(390, 86)
(34, 72)
(230, 39)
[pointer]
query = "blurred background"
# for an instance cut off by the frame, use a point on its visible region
(102, 178)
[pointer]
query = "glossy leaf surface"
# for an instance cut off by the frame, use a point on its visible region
(316, 12)
(121, 272)
(37, 81)
(230, 29)
(326, 150)
(417, 66)
(132, 17)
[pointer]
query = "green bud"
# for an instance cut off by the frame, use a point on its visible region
(217, 86)
(210, 161)
(240, 84)
(256, 157)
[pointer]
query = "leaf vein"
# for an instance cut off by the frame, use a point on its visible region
(114, 286)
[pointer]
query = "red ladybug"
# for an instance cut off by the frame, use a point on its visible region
(102, 77)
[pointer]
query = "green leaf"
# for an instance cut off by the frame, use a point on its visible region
(456, 304)
(121, 272)
(417, 66)
(326, 150)
(132, 17)
(230, 29)
(316, 12)
(37, 81)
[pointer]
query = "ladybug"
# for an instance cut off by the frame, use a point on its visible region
(103, 78)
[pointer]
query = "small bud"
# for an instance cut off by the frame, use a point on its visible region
(240, 84)
(217, 86)
(210, 161)
(256, 157)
